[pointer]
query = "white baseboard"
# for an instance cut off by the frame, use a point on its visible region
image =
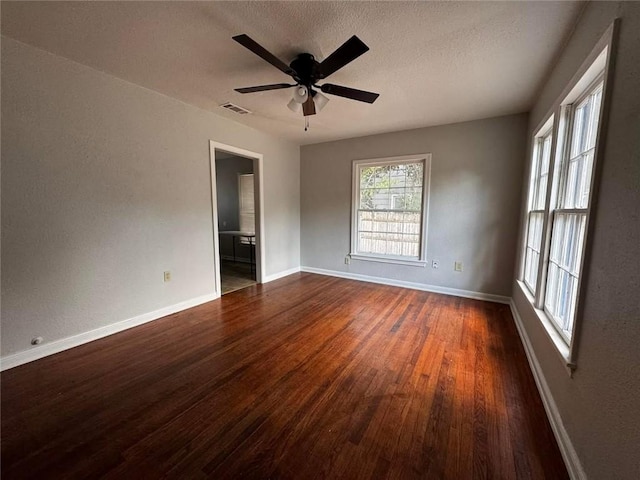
(415, 286)
(284, 273)
(571, 460)
(56, 346)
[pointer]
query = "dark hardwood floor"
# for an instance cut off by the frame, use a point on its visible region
(305, 377)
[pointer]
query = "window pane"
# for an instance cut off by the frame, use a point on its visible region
(532, 254)
(397, 198)
(578, 129)
(567, 239)
(596, 99)
(542, 191)
(584, 182)
(414, 173)
(397, 178)
(413, 199)
(393, 226)
(571, 185)
(365, 221)
(380, 221)
(382, 177)
(368, 176)
(366, 199)
(411, 223)
(546, 155)
(540, 172)
(410, 245)
(579, 166)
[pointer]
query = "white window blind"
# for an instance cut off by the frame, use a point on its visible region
(247, 204)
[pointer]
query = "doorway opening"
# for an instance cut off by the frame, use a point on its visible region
(236, 196)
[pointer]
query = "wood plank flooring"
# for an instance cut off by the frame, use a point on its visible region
(302, 378)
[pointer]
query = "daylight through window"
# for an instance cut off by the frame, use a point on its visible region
(538, 192)
(390, 199)
(560, 198)
(570, 216)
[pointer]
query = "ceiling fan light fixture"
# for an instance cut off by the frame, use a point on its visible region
(320, 100)
(306, 71)
(300, 94)
(294, 106)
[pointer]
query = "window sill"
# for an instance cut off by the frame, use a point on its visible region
(397, 261)
(558, 340)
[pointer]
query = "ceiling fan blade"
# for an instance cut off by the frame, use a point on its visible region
(349, 51)
(252, 45)
(308, 107)
(351, 93)
(262, 88)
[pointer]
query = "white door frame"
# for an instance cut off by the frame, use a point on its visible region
(259, 203)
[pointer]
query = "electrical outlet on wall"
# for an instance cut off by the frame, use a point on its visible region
(347, 260)
(457, 266)
(435, 263)
(167, 276)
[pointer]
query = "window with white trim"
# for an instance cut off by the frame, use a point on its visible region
(537, 199)
(390, 198)
(569, 212)
(557, 221)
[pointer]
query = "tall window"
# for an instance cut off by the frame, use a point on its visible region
(569, 217)
(557, 221)
(389, 208)
(537, 199)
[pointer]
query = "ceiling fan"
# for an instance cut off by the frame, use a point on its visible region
(307, 72)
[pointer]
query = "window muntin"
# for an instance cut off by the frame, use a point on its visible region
(389, 208)
(569, 219)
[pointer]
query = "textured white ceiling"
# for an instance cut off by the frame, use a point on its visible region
(432, 62)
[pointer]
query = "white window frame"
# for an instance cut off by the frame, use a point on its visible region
(355, 200)
(547, 130)
(595, 69)
(568, 111)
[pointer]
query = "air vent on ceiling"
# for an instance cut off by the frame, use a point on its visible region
(235, 108)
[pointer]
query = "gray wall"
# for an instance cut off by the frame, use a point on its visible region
(599, 406)
(104, 186)
(476, 175)
(227, 170)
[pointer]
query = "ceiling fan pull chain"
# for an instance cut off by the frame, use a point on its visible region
(306, 123)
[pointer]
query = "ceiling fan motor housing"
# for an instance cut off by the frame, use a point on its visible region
(307, 69)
